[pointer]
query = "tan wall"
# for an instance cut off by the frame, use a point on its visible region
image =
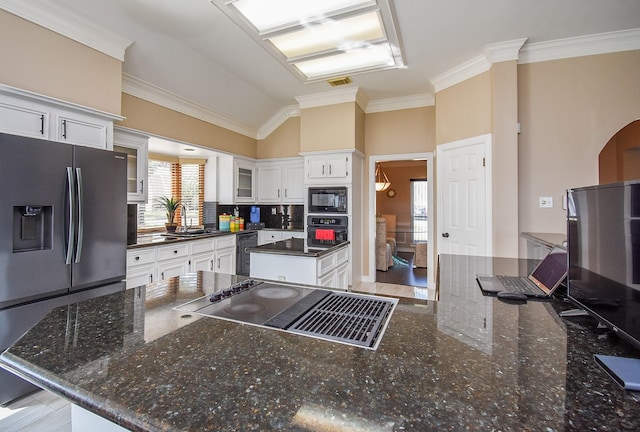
(464, 110)
(39, 60)
(360, 129)
(394, 132)
(504, 159)
(569, 109)
(149, 117)
(400, 174)
(283, 142)
(328, 127)
(402, 131)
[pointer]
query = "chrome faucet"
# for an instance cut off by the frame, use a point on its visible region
(184, 217)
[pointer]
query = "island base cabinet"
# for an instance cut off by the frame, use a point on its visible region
(329, 271)
(83, 420)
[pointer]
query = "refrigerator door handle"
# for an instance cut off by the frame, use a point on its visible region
(71, 185)
(80, 199)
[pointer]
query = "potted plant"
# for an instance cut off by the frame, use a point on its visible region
(170, 206)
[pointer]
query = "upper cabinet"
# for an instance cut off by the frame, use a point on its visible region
(281, 182)
(37, 116)
(330, 168)
(236, 180)
(135, 146)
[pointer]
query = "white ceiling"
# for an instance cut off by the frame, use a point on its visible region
(189, 48)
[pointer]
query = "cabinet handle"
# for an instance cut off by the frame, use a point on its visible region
(329, 169)
(137, 258)
(211, 265)
(64, 129)
(150, 278)
(42, 124)
(285, 193)
(218, 263)
(322, 169)
(175, 251)
(278, 193)
(141, 186)
(162, 276)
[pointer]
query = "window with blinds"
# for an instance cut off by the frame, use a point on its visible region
(184, 181)
(419, 210)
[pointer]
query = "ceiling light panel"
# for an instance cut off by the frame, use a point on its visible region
(268, 15)
(360, 60)
(343, 35)
(321, 39)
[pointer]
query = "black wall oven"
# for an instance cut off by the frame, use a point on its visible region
(326, 231)
(327, 200)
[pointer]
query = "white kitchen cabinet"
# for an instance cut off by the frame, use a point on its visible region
(270, 188)
(141, 266)
(202, 262)
(236, 180)
(281, 182)
(328, 168)
(136, 147)
(23, 118)
(38, 116)
(269, 236)
(293, 181)
(225, 261)
(245, 184)
(173, 260)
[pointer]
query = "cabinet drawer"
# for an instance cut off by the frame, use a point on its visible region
(342, 255)
(202, 246)
(326, 264)
(226, 241)
(175, 251)
(141, 256)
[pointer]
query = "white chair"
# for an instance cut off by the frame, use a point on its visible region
(384, 256)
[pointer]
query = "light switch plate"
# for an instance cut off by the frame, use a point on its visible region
(545, 202)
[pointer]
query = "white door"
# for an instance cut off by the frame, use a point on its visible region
(464, 198)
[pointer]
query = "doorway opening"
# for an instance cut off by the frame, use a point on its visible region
(400, 223)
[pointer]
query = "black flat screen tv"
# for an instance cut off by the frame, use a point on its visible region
(603, 242)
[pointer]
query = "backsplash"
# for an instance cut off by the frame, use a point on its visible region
(273, 216)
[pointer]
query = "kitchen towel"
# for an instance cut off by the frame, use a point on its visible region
(325, 234)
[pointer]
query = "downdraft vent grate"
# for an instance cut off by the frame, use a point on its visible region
(347, 318)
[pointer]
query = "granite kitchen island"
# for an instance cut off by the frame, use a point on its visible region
(465, 362)
(292, 261)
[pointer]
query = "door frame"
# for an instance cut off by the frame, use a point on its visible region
(486, 141)
(428, 157)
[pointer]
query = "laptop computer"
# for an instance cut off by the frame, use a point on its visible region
(540, 283)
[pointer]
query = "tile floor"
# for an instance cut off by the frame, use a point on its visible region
(45, 412)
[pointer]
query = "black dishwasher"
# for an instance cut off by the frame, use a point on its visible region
(245, 240)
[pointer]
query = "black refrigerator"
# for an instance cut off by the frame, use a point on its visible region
(63, 233)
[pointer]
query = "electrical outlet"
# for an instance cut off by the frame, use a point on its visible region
(545, 202)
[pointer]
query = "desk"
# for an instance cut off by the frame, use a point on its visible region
(466, 362)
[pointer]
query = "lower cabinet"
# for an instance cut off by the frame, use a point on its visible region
(270, 236)
(157, 263)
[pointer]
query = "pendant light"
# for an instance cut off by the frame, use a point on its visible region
(382, 181)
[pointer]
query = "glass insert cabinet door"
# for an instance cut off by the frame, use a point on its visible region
(135, 146)
(245, 181)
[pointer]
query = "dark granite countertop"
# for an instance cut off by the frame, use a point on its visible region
(466, 362)
(147, 240)
(295, 247)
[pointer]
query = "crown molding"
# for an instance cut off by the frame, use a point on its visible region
(601, 43)
(149, 92)
(400, 103)
(274, 122)
(69, 24)
(503, 51)
(328, 98)
(462, 72)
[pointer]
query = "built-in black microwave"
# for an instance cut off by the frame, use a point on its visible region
(327, 200)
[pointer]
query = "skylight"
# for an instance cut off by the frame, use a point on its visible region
(321, 39)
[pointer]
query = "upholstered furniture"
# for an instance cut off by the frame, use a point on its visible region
(384, 256)
(420, 257)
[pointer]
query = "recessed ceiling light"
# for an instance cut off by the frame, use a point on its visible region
(321, 39)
